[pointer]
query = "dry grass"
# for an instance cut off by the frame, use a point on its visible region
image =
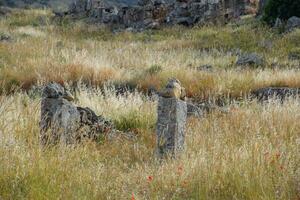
(250, 153)
(76, 52)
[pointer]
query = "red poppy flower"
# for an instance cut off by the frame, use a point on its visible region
(150, 178)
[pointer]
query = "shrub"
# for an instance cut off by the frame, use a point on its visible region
(282, 9)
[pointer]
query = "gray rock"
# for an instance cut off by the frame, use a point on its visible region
(186, 21)
(59, 117)
(59, 121)
(55, 91)
(194, 111)
(4, 37)
(293, 23)
(278, 24)
(252, 59)
(152, 14)
(5, 11)
(92, 126)
(65, 123)
(280, 93)
(171, 125)
(56, 5)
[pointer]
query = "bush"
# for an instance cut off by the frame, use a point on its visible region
(282, 9)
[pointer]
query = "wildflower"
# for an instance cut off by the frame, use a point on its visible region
(132, 197)
(150, 178)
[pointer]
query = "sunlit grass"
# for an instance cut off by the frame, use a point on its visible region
(249, 153)
(75, 52)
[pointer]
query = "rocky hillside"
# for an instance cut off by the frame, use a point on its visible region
(56, 5)
(52, 3)
(144, 14)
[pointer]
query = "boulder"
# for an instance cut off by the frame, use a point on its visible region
(59, 117)
(65, 123)
(92, 125)
(293, 23)
(194, 111)
(173, 89)
(150, 14)
(5, 37)
(252, 59)
(5, 11)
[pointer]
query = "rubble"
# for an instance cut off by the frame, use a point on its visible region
(151, 14)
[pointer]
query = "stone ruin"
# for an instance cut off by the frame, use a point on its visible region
(279, 93)
(65, 123)
(171, 120)
(141, 14)
(62, 122)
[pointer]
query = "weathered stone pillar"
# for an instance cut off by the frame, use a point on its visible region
(171, 125)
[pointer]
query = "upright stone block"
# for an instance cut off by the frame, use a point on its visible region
(171, 125)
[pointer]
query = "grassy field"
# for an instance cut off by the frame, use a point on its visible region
(251, 152)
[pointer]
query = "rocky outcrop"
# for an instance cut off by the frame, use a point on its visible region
(65, 123)
(293, 23)
(280, 93)
(4, 10)
(153, 13)
(194, 111)
(55, 5)
(287, 25)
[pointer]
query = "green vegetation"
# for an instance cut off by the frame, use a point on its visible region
(283, 9)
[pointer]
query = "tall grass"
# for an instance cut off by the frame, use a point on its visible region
(77, 52)
(250, 153)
